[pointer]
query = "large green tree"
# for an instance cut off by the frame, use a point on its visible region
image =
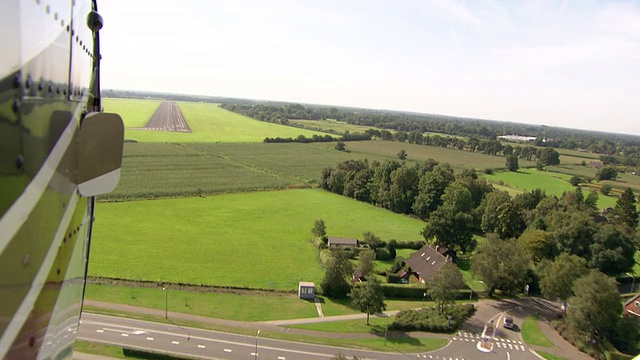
(501, 215)
(626, 209)
(431, 187)
(319, 229)
(558, 278)
(613, 250)
(538, 244)
(512, 162)
(596, 306)
(574, 232)
(366, 262)
(403, 189)
(368, 297)
(444, 285)
(501, 264)
(451, 225)
(335, 284)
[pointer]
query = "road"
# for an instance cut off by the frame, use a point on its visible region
(206, 344)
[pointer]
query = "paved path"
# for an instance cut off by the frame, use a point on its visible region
(486, 310)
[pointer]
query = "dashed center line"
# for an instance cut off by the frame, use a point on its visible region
(201, 346)
(99, 331)
(124, 334)
(150, 338)
(227, 350)
(175, 342)
(281, 358)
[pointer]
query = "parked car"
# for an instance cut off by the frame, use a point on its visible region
(508, 322)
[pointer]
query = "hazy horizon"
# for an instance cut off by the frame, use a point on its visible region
(560, 64)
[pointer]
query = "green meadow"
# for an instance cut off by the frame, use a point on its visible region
(234, 239)
(208, 123)
(552, 183)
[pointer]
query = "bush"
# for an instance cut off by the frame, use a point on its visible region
(383, 254)
(392, 278)
(430, 319)
(403, 291)
(618, 356)
(488, 171)
(325, 255)
(605, 189)
(415, 245)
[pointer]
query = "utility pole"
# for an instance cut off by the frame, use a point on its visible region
(166, 307)
(256, 353)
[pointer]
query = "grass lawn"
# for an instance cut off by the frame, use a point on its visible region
(227, 240)
(243, 307)
(377, 325)
(134, 112)
(332, 307)
(208, 123)
(464, 264)
(87, 347)
(532, 335)
(550, 356)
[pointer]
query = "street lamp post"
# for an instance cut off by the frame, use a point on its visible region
(256, 352)
(166, 308)
(633, 282)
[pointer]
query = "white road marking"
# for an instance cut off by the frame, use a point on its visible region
(175, 342)
(254, 354)
(201, 346)
(99, 331)
(281, 358)
(150, 338)
(227, 350)
(124, 334)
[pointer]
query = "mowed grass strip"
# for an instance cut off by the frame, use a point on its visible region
(241, 307)
(254, 240)
(532, 335)
(377, 325)
(208, 123)
(135, 113)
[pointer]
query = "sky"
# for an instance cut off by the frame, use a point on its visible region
(573, 64)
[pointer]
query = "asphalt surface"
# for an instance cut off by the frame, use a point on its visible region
(168, 117)
(205, 344)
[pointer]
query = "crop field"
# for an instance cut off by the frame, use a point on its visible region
(152, 170)
(208, 122)
(331, 125)
(134, 112)
(459, 159)
(551, 182)
(230, 240)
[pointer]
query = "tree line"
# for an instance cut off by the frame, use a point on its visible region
(620, 148)
(457, 206)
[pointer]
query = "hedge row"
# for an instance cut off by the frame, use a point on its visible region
(430, 319)
(408, 292)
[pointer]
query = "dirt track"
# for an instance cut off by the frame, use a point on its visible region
(168, 117)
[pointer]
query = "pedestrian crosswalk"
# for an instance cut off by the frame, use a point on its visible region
(506, 344)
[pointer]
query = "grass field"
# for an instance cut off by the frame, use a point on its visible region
(552, 183)
(228, 240)
(134, 112)
(532, 335)
(208, 122)
(152, 170)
